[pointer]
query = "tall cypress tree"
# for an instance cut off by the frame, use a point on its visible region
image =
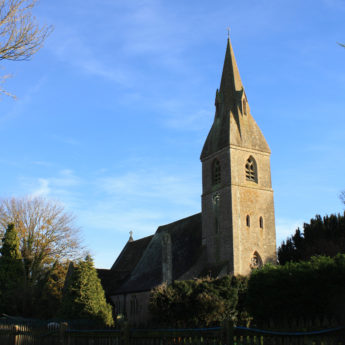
(11, 273)
(84, 296)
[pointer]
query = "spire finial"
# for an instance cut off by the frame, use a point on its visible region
(228, 32)
(130, 236)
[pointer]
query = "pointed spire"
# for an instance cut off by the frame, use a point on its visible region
(233, 122)
(231, 82)
(130, 236)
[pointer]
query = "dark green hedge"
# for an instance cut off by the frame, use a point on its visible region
(316, 287)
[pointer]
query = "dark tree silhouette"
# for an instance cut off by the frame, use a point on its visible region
(322, 236)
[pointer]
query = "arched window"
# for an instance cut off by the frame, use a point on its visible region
(261, 222)
(216, 173)
(251, 170)
(255, 261)
(244, 106)
(248, 220)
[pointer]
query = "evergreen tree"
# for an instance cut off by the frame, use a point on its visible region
(11, 273)
(322, 236)
(84, 296)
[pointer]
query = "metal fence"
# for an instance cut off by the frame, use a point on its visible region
(64, 334)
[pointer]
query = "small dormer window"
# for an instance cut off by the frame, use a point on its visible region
(216, 172)
(244, 106)
(251, 170)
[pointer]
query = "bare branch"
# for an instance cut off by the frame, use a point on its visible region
(20, 35)
(3, 91)
(342, 196)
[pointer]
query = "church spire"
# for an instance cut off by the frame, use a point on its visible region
(233, 123)
(231, 83)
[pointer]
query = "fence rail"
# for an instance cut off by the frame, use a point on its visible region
(62, 334)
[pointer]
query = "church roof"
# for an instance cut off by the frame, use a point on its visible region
(233, 124)
(131, 254)
(186, 250)
(124, 264)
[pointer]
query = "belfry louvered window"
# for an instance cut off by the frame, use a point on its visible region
(251, 170)
(216, 172)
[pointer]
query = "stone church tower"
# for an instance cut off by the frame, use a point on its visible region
(238, 227)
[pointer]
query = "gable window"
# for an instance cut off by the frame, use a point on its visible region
(216, 173)
(248, 221)
(261, 222)
(251, 170)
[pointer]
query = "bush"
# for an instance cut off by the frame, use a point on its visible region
(196, 303)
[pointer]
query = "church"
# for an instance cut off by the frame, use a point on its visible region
(235, 231)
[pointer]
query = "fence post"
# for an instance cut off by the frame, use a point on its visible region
(15, 335)
(125, 333)
(62, 332)
(227, 333)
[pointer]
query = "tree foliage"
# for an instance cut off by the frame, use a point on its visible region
(49, 291)
(307, 288)
(46, 233)
(322, 236)
(200, 302)
(84, 296)
(11, 273)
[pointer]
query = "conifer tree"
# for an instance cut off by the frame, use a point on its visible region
(11, 273)
(84, 296)
(322, 236)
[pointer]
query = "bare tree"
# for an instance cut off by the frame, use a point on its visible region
(20, 35)
(46, 231)
(342, 196)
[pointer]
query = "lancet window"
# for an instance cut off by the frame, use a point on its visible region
(261, 222)
(133, 305)
(216, 172)
(248, 221)
(251, 170)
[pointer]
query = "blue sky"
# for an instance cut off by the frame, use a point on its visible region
(113, 111)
